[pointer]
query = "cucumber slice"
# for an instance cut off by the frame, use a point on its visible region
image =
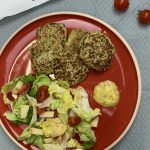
(55, 120)
(47, 114)
(48, 140)
(24, 111)
(36, 131)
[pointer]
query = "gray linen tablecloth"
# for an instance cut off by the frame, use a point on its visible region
(138, 37)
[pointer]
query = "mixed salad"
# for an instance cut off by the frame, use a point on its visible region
(57, 116)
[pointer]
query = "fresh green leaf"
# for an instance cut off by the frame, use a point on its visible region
(31, 139)
(33, 103)
(38, 141)
(53, 129)
(60, 107)
(6, 89)
(21, 100)
(87, 116)
(82, 106)
(85, 132)
(16, 109)
(40, 80)
(73, 143)
(55, 104)
(88, 145)
(24, 135)
(27, 78)
(12, 117)
(63, 84)
(29, 115)
(32, 100)
(34, 117)
(58, 92)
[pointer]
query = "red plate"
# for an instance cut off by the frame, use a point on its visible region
(114, 122)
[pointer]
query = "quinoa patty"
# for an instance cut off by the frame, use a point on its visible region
(45, 52)
(72, 70)
(56, 30)
(97, 51)
(45, 55)
(71, 67)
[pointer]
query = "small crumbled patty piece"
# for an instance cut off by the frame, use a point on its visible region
(97, 51)
(56, 30)
(106, 93)
(71, 70)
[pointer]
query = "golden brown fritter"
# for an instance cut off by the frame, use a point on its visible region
(45, 52)
(55, 30)
(97, 51)
(72, 68)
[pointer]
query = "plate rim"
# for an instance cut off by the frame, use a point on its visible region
(119, 36)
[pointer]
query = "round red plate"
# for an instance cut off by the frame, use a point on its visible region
(114, 122)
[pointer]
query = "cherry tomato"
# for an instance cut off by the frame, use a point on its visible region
(9, 96)
(24, 89)
(77, 137)
(74, 120)
(42, 93)
(121, 5)
(144, 16)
